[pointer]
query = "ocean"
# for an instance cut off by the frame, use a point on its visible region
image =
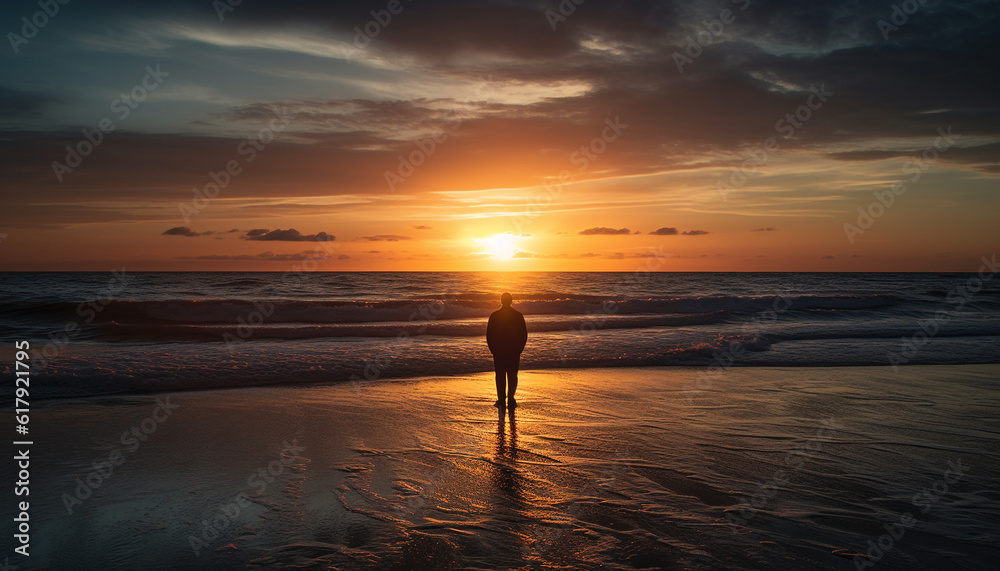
(665, 420)
(115, 332)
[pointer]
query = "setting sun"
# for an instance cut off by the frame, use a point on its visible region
(501, 284)
(501, 246)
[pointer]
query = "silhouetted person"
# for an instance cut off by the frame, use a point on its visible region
(506, 335)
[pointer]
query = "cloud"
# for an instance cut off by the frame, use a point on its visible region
(623, 255)
(15, 103)
(884, 106)
(604, 231)
(184, 231)
(423, 227)
(385, 238)
(695, 233)
(767, 229)
(263, 257)
(665, 231)
(290, 235)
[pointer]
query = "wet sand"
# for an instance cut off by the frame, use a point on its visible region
(596, 468)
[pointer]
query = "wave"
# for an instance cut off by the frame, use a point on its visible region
(449, 328)
(236, 311)
(108, 368)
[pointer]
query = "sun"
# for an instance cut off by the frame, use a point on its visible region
(500, 246)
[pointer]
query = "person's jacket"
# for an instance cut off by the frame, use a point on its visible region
(506, 333)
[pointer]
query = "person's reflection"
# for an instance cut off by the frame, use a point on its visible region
(506, 476)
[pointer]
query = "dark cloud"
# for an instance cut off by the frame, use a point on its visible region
(290, 235)
(665, 231)
(983, 157)
(385, 238)
(23, 104)
(264, 257)
(604, 231)
(423, 227)
(184, 231)
(931, 73)
(695, 233)
(767, 229)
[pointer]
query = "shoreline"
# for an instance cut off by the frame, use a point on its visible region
(423, 377)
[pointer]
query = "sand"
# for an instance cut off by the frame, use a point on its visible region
(612, 468)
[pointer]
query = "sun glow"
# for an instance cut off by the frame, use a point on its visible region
(500, 246)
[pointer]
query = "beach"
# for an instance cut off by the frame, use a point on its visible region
(653, 467)
(271, 274)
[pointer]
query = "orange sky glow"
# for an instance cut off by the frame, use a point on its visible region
(443, 145)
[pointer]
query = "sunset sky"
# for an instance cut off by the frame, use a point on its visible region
(499, 135)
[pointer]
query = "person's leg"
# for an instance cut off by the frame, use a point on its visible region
(501, 378)
(511, 383)
(515, 364)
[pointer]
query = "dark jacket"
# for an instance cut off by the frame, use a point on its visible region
(506, 333)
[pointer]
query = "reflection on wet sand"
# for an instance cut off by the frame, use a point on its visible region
(586, 481)
(505, 475)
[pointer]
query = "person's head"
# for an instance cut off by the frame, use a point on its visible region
(506, 299)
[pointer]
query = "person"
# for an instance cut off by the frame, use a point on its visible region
(506, 335)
